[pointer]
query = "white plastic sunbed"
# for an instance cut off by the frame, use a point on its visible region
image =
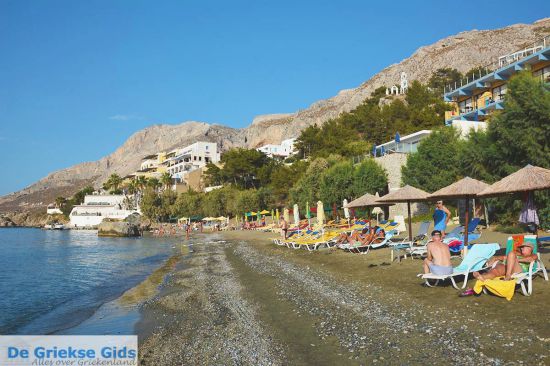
(474, 261)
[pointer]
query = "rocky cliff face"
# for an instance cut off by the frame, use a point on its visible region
(462, 51)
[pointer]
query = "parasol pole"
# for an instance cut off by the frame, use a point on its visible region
(410, 226)
(466, 224)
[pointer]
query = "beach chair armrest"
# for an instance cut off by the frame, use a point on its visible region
(476, 262)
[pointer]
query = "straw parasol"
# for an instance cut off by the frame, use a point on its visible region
(466, 188)
(529, 178)
(367, 200)
(320, 213)
(406, 194)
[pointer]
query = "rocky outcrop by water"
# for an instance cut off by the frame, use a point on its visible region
(462, 51)
(129, 227)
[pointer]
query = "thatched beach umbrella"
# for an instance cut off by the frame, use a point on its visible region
(406, 194)
(466, 188)
(367, 200)
(528, 179)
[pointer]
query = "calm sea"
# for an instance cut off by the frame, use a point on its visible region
(55, 280)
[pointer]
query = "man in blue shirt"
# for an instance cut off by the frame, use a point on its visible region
(441, 217)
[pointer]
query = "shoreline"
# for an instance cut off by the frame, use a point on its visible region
(120, 315)
(327, 307)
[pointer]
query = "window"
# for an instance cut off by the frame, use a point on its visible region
(465, 106)
(200, 158)
(499, 92)
(207, 159)
(543, 74)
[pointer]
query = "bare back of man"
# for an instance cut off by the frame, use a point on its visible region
(438, 260)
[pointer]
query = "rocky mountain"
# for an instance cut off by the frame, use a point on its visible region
(462, 51)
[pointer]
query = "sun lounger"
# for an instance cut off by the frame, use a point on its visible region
(474, 261)
(525, 279)
(377, 243)
(415, 247)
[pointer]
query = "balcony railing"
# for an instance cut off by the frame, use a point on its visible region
(499, 63)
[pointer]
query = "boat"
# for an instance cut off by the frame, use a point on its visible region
(54, 226)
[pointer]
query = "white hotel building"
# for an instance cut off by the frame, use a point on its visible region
(191, 158)
(96, 208)
(284, 150)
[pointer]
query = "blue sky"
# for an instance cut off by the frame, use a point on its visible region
(77, 78)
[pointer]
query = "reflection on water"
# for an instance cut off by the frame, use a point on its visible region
(51, 280)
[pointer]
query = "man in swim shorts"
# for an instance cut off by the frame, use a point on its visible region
(438, 261)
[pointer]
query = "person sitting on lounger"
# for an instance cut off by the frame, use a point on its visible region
(353, 237)
(438, 261)
(516, 261)
(376, 233)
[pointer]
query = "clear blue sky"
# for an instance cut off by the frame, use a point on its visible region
(77, 78)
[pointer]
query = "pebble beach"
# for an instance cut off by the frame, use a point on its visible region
(237, 299)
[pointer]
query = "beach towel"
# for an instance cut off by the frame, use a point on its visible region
(497, 286)
(476, 257)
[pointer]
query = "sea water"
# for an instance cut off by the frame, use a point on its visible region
(52, 281)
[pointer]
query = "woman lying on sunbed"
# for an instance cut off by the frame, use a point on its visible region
(353, 237)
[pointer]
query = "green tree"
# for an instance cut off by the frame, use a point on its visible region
(113, 183)
(436, 164)
(368, 177)
(60, 201)
(151, 204)
(443, 78)
(213, 175)
(153, 183)
(337, 183)
(166, 180)
(240, 166)
(306, 189)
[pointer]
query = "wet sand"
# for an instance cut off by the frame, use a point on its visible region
(238, 299)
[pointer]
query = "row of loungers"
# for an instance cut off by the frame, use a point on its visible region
(474, 261)
(326, 237)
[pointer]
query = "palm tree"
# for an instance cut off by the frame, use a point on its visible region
(166, 180)
(154, 183)
(60, 201)
(141, 182)
(132, 187)
(113, 182)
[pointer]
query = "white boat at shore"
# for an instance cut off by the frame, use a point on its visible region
(54, 226)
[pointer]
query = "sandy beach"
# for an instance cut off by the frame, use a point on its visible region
(239, 299)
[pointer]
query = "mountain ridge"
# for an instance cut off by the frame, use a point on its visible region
(462, 51)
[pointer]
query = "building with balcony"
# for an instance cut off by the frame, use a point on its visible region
(480, 95)
(284, 150)
(97, 207)
(191, 158)
(406, 144)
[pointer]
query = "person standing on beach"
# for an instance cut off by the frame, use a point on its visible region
(284, 227)
(441, 217)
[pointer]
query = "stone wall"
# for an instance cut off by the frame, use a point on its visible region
(393, 163)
